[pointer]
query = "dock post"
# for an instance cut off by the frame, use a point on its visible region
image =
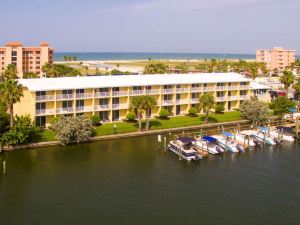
(4, 167)
(0, 147)
(165, 143)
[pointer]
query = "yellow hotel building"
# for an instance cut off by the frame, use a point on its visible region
(109, 96)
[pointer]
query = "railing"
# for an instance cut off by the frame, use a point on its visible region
(167, 102)
(84, 109)
(233, 98)
(180, 101)
(182, 90)
(41, 112)
(165, 91)
(65, 110)
(220, 99)
(233, 87)
(221, 87)
(119, 106)
(84, 95)
(44, 98)
(65, 96)
(244, 97)
(102, 94)
(194, 100)
(196, 89)
(208, 88)
(244, 86)
(152, 91)
(101, 107)
(119, 93)
(137, 92)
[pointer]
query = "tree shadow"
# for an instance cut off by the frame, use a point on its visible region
(210, 119)
(152, 123)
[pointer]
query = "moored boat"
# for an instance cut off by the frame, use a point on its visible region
(209, 144)
(226, 141)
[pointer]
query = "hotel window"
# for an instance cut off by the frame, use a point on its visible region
(115, 101)
(169, 108)
(229, 93)
(220, 84)
(115, 115)
(243, 92)
(167, 97)
(220, 94)
(177, 85)
(167, 86)
(67, 92)
(177, 96)
(205, 85)
(195, 95)
(103, 116)
(40, 105)
(136, 88)
(243, 83)
(38, 62)
(40, 93)
(103, 101)
(79, 103)
(40, 121)
(67, 104)
(79, 91)
(148, 87)
(115, 89)
(103, 89)
(195, 85)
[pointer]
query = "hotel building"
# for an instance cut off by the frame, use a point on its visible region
(26, 59)
(109, 97)
(276, 58)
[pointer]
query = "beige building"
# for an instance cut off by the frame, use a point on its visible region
(26, 59)
(277, 58)
(109, 96)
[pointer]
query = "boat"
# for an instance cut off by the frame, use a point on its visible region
(226, 141)
(269, 136)
(184, 148)
(283, 133)
(245, 139)
(259, 137)
(209, 144)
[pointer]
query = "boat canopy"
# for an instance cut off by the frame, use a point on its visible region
(186, 139)
(209, 139)
(285, 129)
(263, 129)
(247, 132)
(227, 134)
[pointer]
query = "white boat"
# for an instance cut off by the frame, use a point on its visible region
(183, 147)
(245, 139)
(228, 144)
(283, 133)
(209, 144)
(260, 136)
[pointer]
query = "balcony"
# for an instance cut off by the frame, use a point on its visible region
(43, 112)
(152, 91)
(221, 88)
(196, 89)
(232, 98)
(221, 99)
(84, 109)
(167, 102)
(167, 91)
(244, 97)
(233, 87)
(64, 110)
(43, 98)
(120, 106)
(182, 90)
(244, 86)
(208, 89)
(182, 101)
(102, 94)
(194, 100)
(84, 95)
(64, 96)
(101, 107)
(137, 92)
(119, 93)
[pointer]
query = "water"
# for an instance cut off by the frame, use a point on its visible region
(132, 181)
(84, 56)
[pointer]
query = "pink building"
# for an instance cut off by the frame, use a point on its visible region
(26, 59)
(276, 58)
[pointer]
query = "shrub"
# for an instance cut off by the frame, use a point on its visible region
(255, 111)
(95, 119)
(53, 121)
(282, 105)
(219, 108)
(193, 111)
(73, 130)
(164, 113)
(131, 116)
(22, 132)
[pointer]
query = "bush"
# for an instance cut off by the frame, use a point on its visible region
(22, 132)
(73, 130)
(282, 105)
(131, 116)
(95, 119)
(219, 108)
(255, 111)
(164, 113)
(53, 121)
(193, 111)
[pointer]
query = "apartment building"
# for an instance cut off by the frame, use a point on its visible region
(277, 58)
(26, 59)
(109, 97)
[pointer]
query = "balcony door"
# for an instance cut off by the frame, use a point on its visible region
(67, 104)
(40, 105)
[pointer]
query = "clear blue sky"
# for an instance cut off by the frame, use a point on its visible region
(220, 26)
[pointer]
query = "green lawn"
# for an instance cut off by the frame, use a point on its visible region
(155, 124)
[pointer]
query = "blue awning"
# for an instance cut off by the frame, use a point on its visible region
(227, 134)
(209, 139)
(263, 129)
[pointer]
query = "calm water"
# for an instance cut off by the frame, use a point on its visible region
(131, 181)
(143, 56)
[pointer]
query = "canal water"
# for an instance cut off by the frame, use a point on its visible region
(133, 181)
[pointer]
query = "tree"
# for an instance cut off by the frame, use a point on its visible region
(256, 111)
(73, 130)
(4, 119)
(207, 102)
(287, 78)
(148, 103)
(116, 72)
(296, 86)
(155, 68)
(282, 105)
(30, 75)
(97, 71)
(193, 111)
(219, 108)
(131, 116)
(10, 72)
(59, 70)
(137, 106)
(95, 119)
(164, 113)
(10, 93)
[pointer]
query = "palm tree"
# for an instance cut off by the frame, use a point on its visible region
(148, 103)
(137, 106)
(10, 72)
(47, 68)
(207, 102)
(11, 92)
(287, 78)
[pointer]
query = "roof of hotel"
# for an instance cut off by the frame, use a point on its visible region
(64, 83)
(14, 43)
(257, 86)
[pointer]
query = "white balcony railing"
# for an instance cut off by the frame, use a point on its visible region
(152, 91)
(182, 101)
(119, 106)
(64, 110)
(64, 96)
(102, 94)
(221, 99)
(84, 95)
(194, 100)
(196, 89)
(42, 112)
(208, 88)
(178, 90)
(221, 87)
(119, 93)
(137, 92)
(167, 102)
(233, 98)
(244, 97)
(84, 109)
(244, 86)
(233, 87)
(101, 107)
(44, 98)
(166, 91)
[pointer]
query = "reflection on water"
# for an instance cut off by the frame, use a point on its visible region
(134, 181)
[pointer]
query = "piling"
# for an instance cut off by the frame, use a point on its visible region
(165, 143)
(4, 167)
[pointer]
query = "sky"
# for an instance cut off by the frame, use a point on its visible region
(201, 26)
